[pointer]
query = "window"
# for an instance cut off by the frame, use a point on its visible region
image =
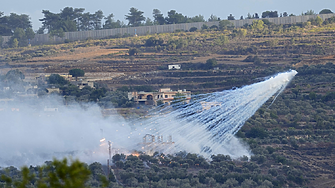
(166, 96)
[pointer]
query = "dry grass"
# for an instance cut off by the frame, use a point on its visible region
(78, 54)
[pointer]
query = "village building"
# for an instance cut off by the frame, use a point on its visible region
(82, 84)
(163, 96)
(52, 90)
(174, 67)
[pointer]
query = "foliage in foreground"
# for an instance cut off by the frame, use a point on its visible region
(55, 174)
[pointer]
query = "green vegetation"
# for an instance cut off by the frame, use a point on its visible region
(57, 79)
(54, 174)
(76, 73)
(135, 17)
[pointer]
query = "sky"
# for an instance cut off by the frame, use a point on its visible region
(220, 8)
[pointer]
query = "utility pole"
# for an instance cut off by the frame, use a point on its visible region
(109, 161)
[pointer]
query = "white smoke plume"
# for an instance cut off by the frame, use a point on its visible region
(32, 132)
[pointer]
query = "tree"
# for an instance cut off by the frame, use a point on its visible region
(225, 24)
(19, 21)
(158, 17)
(285, 14)
(325, 11)
(240, 32)
(98, 94)
(199, 18)
(70, 90)
(96, 19)
(256, 16)
(154, 41)
(57, 33)
(14, 76)
(214, 27)
(132, 51)
(118, 157)
(110, 23)
(15, 43)
(231, 17)
(70, 19)
(60, 174)
(318, 20)
(213, 18)
(175, 18)
(85, 22)
(8, 24)
(257, 25)
(76, 73)
(211, 63)
(148, 22)
(4, 28)
(30, 34)
(51, 21)
(135, 17)
(310, 12)
(192, 29)
(20, 37)
(270, 14)
(57, 79)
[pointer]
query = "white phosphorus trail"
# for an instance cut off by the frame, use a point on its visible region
(206, 125)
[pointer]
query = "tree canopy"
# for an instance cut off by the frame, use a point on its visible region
(175, 18)
(57, 79)
(270, 14)
(13, 77)
(135, 17)
(211, 63)
(8, 24)
(158, 17)
(60, 174)
(76, 72)
(325, 11)
(72, 19)
(110, 23)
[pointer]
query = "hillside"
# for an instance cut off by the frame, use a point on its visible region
(292, 140)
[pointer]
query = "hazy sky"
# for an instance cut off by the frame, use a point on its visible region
(220, 8)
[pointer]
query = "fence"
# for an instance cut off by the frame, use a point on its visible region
(98, 34)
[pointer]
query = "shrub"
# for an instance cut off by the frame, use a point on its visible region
(133, 51)
(203, 27)
(192, 29)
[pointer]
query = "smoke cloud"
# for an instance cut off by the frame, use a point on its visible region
(37, 130)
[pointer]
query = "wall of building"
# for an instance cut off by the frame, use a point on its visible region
(98, 34)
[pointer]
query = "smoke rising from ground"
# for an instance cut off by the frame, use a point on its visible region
(32, 132)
